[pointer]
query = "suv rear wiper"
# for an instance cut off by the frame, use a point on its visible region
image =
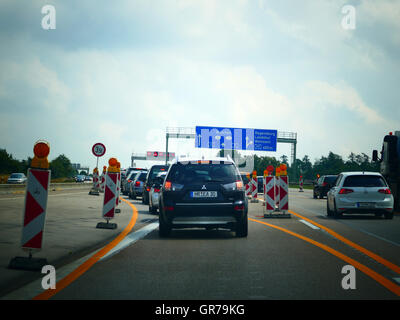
(213, 180)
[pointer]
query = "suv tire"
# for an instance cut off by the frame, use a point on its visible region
(242, 228)
(164, 230)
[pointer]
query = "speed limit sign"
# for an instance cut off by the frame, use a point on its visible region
(99, 149)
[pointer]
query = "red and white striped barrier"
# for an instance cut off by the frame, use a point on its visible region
(118, 191)
(35, 209)
(248, 189)
(269, 194)
(254, 187)
(102, 181)
(284, 194)
(110, 194)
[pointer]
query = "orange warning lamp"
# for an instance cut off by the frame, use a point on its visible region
(265, 172)
(41, 150)
(283, 168)
(278, 171)
(112, 165)
(104, 168)
(248, 176)
(270, 169)
(254, 174)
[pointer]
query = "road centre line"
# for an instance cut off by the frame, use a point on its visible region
(394, 288)
(60, 285)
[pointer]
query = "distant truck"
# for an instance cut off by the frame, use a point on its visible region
(390, 164)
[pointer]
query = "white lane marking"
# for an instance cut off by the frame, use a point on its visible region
(130, 239)
(309, 224)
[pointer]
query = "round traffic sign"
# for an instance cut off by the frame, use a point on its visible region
(99, 149)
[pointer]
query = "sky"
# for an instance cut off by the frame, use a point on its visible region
(121, 72)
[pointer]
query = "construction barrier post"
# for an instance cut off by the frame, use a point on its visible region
(36, 195)
(94, 191)
(248, 186)
(277, 193)
(254, 188)
(301, 184)
(103, 179)
(117, 201)
(110, 194)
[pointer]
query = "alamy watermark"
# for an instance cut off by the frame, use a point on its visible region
(49, 280)
(49, 20)
(349, 18)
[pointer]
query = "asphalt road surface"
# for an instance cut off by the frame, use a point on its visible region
(297, 258)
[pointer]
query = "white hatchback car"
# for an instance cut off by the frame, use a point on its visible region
(360, 192)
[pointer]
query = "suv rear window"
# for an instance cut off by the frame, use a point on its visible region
(156, 170)
(142, 176)
(192, 173)
(364, 181)
(330, 179)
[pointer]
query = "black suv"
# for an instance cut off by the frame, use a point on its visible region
(151, 175)
(323, 185)
(203, 194)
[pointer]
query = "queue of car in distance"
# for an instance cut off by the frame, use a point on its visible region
(203, 193)
(151, 175)
(154, 193)
(136, 186)
(128, 177)
(323, 185)
(360, 193)
(17, 178)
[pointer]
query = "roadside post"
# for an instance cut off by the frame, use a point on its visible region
(110, 194)
(36, 195)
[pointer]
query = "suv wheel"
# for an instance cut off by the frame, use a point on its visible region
(242, 228)
(388, 215)
(164, 229)
(336, 213)
(328, 211)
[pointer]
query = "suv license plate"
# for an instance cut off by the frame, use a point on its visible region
(203, 194)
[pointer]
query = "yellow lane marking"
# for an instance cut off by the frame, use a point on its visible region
(372, 255)
(369, 272)
(60, 285)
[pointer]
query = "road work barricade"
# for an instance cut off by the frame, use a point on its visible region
(110, 194)
(36, 195)
(254, 188)
(301, 184)
(96, 183)
(117, 200)
(277, 195)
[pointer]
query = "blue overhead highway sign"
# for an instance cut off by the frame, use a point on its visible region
(236, 138)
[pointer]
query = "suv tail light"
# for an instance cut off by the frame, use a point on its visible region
(239, 185)
(137, 184)
(238, 207)
(385, 191)
(156, 189)
(345, 191)
(129, 180)
(147, 188)
(325, 184)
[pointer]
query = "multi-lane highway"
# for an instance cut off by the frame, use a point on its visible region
(297, 258)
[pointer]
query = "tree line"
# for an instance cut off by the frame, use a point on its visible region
(60, 167)
(330, 164)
